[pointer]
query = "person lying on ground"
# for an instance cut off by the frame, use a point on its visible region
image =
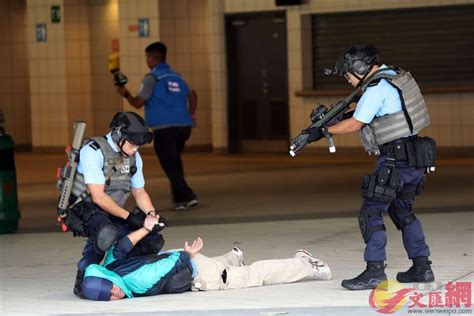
(176, 271)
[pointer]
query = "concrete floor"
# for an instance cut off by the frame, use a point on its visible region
(270, 205)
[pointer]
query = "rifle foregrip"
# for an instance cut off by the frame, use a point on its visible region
(331, 145)
(298, 143)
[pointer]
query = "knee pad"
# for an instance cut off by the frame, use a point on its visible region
(366, 228)
(106, 236)
(399, 221)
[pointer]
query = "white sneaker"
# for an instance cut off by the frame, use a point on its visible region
(192, 203)
(235, 257)
(321, 269)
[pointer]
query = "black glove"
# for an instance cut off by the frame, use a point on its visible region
(315, 134)
(164, 221)
(136, 219)
(158, 228)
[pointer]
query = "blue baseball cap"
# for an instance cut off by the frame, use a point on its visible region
(97, 289)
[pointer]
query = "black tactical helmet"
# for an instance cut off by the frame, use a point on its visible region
(357, 60)
(131, 127)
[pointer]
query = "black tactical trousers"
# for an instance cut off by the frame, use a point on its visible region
(169, 144)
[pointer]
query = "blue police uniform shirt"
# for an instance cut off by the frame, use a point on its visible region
(378, 100)
(168, 103)
(91, 163)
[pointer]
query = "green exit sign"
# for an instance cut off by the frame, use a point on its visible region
(55, 14)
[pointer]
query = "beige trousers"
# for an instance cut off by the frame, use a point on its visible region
(263, 272)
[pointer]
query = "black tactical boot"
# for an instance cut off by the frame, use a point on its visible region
(420, 271)
(78, 284)
(372, 276)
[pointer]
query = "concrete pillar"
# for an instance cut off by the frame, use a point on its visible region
(218, 82)
(132, 46)
(14, 74)
(60, 74)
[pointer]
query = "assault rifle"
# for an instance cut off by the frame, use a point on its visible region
(66, 174)
(323, 117)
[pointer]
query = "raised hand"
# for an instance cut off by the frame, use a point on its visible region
(195, 247)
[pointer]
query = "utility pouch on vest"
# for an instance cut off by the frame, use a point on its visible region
(411, 154)
(383, 186)
(367, 138)
(425, 151)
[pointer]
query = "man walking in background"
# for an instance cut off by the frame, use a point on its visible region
(165, 95)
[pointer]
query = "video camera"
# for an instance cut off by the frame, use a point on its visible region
(114, 68)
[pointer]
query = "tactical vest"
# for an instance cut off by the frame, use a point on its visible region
(409, 121)
(118, 172)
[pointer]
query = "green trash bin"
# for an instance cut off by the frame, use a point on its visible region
(9, 212)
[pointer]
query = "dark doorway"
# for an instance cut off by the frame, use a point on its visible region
(258, 82)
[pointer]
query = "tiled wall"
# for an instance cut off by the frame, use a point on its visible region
(14, 71)
(48, 78)
(218, 75)
(184, 29)
(77, 42)
(132, 47)
(104, 28)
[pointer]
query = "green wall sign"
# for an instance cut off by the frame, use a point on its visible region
(55, 14)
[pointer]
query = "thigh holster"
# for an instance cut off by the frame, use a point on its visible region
(383, 186)
(366, 228)
(78, 216)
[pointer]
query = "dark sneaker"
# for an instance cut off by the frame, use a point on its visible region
(372, 276)
(78, 284)
(419, 272)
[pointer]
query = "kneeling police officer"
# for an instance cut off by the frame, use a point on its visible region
(109, 170)
(389, 114)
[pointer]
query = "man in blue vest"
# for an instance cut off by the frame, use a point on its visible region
(165, 95)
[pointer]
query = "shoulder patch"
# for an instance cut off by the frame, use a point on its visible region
(375, 82)
(94, 145)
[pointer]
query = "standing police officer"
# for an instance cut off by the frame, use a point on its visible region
(165, 95)
(109, 170)
(389, 114)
